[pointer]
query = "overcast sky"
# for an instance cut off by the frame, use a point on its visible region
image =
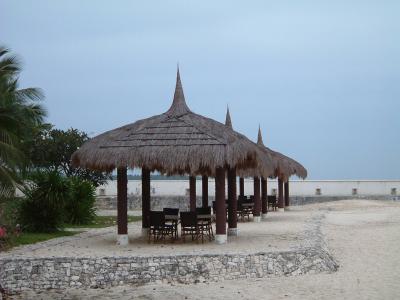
(322, 78)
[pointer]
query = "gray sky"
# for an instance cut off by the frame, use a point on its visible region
(322, 78)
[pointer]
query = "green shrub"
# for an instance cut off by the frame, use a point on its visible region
(9, 211)
(43, 208)
(79, 209)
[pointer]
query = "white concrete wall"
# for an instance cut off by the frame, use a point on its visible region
(297, 187)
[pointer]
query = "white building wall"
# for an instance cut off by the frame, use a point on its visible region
(297, 187)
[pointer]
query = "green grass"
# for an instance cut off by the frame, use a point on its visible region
(33, 237)
(103, 221)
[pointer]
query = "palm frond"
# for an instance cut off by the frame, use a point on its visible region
(32, 94)
(20, 113)
(9, 64)
(8, 181)
(3, 51)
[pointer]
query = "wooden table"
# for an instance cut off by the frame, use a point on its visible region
(204, 217)
(172, 217)
(176, 217)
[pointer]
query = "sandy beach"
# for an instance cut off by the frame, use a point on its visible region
(280, 232)
(362, 235)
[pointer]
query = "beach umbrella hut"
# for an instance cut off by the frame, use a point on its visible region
(178, 141)
(284, 168)
(266, 167)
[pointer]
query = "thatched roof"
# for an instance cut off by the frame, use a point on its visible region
(228, 121)
(285, 166)
(266, 164)
(175, 142)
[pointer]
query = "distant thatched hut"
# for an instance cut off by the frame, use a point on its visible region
(265, 168)
(285, 167)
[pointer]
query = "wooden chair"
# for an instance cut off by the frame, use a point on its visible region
(158, 228)
(250, 199)
(189, 225)
(205, 224)
(242, 198)
(174, 222)
(243, 211)
(272, 202)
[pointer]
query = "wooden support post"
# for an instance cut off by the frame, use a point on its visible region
(281, 201)
(145, 200)
(257, 200)
(287, 199)
(220, 237)
(122, 206)
(204, 191)
(264, 198)
(192, 192)
(232, 202)
(241, 186)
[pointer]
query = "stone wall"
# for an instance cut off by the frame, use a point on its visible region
(182, 202)
(157, 202)
(298, 200)
(63, 272)
(344, 188)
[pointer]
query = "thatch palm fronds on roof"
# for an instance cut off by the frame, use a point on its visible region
(266, 164)
(175, 142)
(295, 167)
(285, 166)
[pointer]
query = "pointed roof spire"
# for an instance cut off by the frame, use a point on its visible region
(259, 138)
(178, 106)
(228, 121)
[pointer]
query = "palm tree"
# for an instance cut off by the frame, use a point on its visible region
(20, 112)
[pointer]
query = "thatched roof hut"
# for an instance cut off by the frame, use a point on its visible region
(266, 163)
(285, 166)
(176, 142)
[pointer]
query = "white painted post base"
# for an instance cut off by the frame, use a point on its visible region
(264, 216)
(220, 239)
(145, 232)
(122, 240)
(281, 209)
(233, 231)
(257, 219)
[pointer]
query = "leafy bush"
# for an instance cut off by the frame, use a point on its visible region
(79, 209)
(43, 208)
(9, 210)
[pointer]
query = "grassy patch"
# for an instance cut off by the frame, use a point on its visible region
(103, 221)
(33, 237)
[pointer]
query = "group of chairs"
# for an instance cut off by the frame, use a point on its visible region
(245, 206)
(196, 224)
